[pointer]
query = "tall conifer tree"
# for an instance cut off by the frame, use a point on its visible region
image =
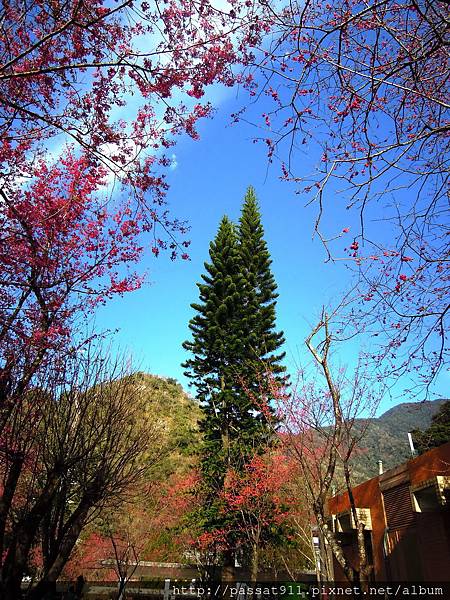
(233, 346)
(218, 347)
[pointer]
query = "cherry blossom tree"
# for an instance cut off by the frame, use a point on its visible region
(256, 497)
(91, 96)
(82, 185)
(170, 504)
(258, 509)
(362, 87)
(151, 528)
(74, 67)
(61, 255)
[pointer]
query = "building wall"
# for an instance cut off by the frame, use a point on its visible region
(406, 545)
(433, 462)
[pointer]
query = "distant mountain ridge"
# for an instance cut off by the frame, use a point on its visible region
(386, 438)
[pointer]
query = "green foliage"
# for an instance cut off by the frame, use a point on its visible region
(260, 294)
(218, 347)
(438, 432)
(233, 347)
(178, 415)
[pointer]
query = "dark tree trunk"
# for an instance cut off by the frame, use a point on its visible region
(254, 563)
(8, 495)
(24, 535)
(66, 546)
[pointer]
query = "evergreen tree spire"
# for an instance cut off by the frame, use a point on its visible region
(215, 326)
(260, 293)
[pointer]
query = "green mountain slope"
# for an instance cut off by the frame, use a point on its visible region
(177, 415)
(386, 438)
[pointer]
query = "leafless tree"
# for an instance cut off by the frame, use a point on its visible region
(321, 433)
(86, 444)
(127, 546)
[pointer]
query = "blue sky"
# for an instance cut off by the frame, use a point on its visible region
(210, 179)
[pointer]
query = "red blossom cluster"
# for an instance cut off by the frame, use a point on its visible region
(254, 501)
(87, 109)
(259, 489)
(61, 254)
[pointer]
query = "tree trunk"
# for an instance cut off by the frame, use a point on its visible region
(363, 567)
(335, 547)
(24, 535)
(122, 586)
(54, 570)
(8, 495)
(254, 563)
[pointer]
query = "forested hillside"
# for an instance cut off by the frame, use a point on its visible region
(386, 437)
(178, 414)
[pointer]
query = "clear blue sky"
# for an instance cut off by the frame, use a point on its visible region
(210, 179)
